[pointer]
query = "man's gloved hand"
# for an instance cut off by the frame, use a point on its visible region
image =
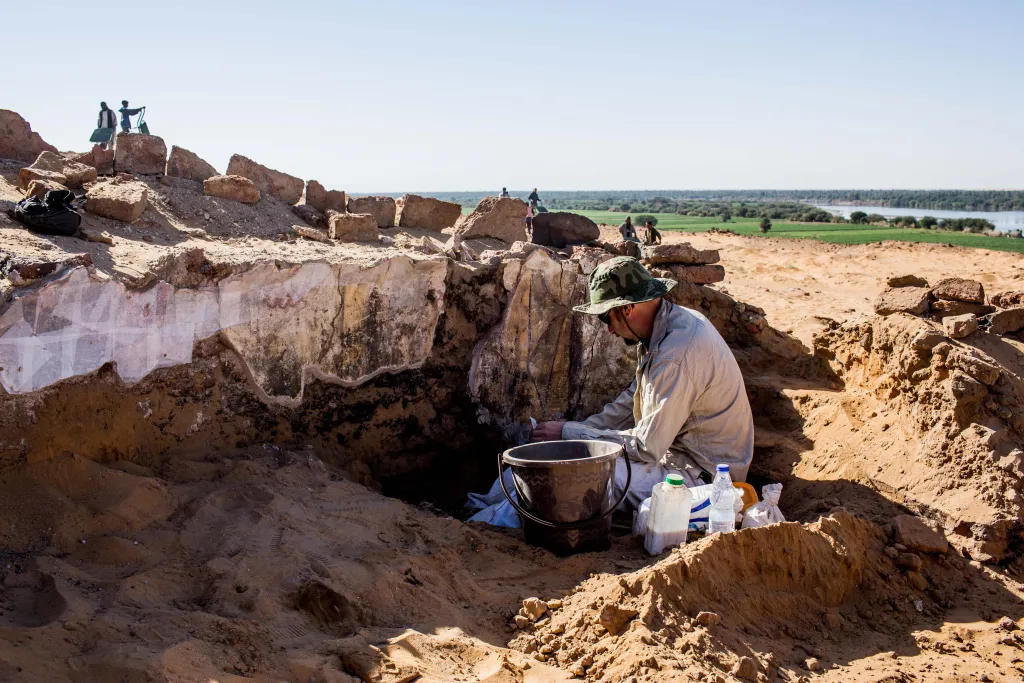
(548, 431)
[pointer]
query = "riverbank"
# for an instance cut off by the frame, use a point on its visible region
(836, 233)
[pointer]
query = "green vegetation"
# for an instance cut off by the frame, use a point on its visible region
(838, 233)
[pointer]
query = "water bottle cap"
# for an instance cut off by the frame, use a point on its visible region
(722, 468)
(674, 480)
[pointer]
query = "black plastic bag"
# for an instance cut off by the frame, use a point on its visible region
(53, 215)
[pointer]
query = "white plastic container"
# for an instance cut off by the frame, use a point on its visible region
(669, 518)
(722, 515)
(700, 506)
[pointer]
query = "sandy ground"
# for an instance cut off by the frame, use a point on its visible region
(269, 566)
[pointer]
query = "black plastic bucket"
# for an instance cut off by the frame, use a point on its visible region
(566, 492)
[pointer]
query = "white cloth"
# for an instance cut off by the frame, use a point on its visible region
(691, 412)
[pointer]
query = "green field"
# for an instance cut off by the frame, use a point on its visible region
(839, 233)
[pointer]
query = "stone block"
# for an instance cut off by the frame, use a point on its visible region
(1006, 321)
(98, 157)
(232, 187)
(679, 253)
(121, 200)
(285, 187)
(943, 308)
(502, 218)
(323, 200)
(426, 213)
(959, 289)
(912, 300)
(382, 208)
(959, 326)
(74, 173)
(906, 281)
(1007, 299)
(562, 228)
(140, 154)
(352, 227)
(698, 275)
(182, 163)
(27, 175)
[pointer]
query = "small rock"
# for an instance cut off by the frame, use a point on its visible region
(615, 618)
(908, 561)
(812, 664)
(745, 669)
(520, 621)
(117, 199)
(891, 552)
(554, 604)
(534, 608)
(906, 281)
(917, 580)
(1007, 624)
(1006, 321)
(959, 326)
(708, 619)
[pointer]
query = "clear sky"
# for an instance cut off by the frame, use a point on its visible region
(394, 96)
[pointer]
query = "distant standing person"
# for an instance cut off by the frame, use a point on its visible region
(504, 192)
(126, 116)
(107, 120)
(653, 236)
(627, 231)
(534, 200)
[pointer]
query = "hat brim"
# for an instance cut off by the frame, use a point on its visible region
(657, 287)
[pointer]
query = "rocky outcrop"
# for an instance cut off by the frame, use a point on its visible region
(382, 208)
(514, 379)
(141, 154)
(343, 323)
(351, 227)
(182, 163)
(232, 187)
(68, 173)
(502, 218)
(121, 200)
(323, 200)
(561, 228)
(426, 213)
(959, 435)
(17, 141)
(285, 187)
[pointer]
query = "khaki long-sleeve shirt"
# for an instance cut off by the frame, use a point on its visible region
(691, 412)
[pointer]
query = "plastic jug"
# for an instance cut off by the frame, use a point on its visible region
(669, 518)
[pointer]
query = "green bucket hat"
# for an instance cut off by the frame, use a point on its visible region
(621, 281)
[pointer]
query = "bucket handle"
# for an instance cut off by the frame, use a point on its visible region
(565, 525)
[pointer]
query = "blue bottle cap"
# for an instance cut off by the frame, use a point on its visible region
(722, 468)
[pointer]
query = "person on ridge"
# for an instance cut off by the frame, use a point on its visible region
(686, 410)
(627, 231)
(126, 114)
(504, 192)
(653, 236)
(534, 200)
(107, 120)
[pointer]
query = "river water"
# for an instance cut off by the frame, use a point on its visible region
(1003, 220)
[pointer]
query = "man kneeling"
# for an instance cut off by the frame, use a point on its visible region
(686, 411)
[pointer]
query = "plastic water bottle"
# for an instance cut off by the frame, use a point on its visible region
(669, 518)
(722, 516)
